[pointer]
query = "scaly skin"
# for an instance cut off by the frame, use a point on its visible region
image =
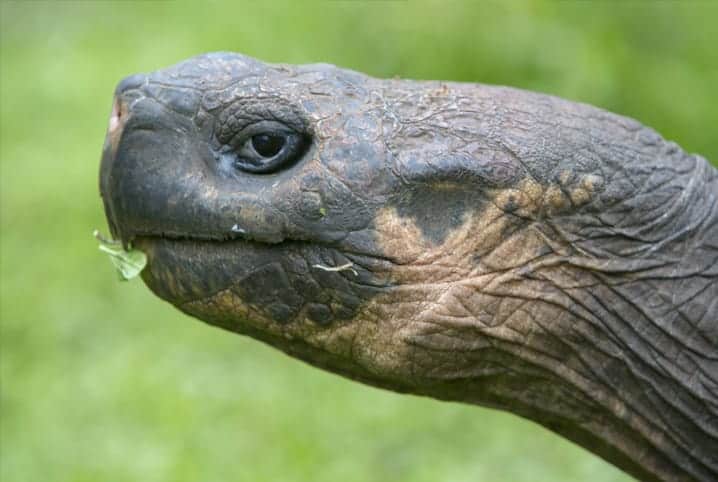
(462, 241)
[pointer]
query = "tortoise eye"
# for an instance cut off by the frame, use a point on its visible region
(267, 146)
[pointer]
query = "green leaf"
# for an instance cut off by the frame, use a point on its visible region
(129, 263)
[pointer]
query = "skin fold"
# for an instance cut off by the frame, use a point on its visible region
(466, 242)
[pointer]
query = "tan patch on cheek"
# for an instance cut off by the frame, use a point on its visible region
(492, 243)
(399, 237)
(429, 283)
(424, 274)
(493, 237)
(419, 260)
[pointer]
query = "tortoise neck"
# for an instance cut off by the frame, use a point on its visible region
(617, 353)
(639, 345)
(654, 415)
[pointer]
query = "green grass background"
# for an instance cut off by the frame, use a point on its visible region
(100, 381)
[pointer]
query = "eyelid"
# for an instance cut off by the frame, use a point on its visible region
(246, 112)
(261, 127)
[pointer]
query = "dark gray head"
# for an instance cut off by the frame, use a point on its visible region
(463, 241)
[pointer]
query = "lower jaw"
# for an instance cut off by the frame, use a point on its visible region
(182, 270)
(280, 282)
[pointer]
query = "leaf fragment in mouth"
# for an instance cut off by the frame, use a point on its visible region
(129, 263)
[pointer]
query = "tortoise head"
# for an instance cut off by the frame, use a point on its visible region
(463, 241)
(307, 205)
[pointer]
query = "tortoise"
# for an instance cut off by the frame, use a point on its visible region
(461, 241)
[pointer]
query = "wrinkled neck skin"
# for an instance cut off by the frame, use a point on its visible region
(469, 243)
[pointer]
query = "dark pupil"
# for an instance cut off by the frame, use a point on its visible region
(267, 145)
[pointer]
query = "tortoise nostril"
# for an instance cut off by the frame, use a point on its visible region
(115, 126)
(116, 116)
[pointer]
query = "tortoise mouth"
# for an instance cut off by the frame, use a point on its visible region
(187, 267)
(145, 238)
(337, 256)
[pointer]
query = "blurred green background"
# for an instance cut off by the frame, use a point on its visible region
(102, 381)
